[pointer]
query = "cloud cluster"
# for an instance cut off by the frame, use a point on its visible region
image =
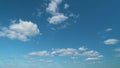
(22, 30)
(53, 9)
(111, 41)
(70, 52)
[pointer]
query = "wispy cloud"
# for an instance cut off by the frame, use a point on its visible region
(108, 29)
(66, 6)
(22, 30)
(117, 50)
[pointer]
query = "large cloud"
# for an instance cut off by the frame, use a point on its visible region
(70, 52)
(22, 30)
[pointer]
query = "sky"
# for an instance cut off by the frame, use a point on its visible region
(59, 34)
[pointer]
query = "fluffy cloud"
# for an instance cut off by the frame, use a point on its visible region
(111, 41)
(53, 6)
(53, 10)
(64, 52)
(56, 19)
(70, 52)
(22, 30)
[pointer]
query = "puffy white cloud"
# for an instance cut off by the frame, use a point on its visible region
(22, 30)
(53, 9)
(70, 52)
(56, 19)
(111, 41)
(66, 6)
(53, 6)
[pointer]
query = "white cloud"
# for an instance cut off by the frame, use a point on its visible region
(70, 52)
(66, 6)
(89, 59)
(82, 49)
(53, 9)
(53, 6)
(65, 52)
(108, 29)
(40, 53)
(22, 30)
(90, 53)
(57, 19)
(94, 58)
(111, 41)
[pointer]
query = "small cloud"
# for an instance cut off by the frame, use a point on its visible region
(117, 49)
(22, 30)
(66, 6)
(40, 53)
(118, 52)
(111, 41)
(89, 59)
(82, 49)
(108, 29)
(57, 19)
(94, 58)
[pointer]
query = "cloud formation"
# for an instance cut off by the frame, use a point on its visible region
(69, 52)
(22, 30)
(53, 9)
(111, 41)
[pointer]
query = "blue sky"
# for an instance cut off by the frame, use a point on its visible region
(59, 34)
